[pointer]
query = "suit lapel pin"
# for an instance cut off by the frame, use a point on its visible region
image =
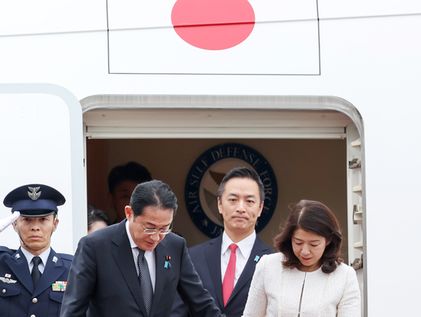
(256, 258)
(7, 275)
(55, 259)
(17, 255)
(167, 264)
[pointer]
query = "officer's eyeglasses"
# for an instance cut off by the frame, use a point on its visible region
(153, 231)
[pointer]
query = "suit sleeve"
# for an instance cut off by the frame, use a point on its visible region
(179, 308)
(192, 292)
(81, 281)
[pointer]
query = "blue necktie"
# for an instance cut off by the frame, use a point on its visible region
(145, 280)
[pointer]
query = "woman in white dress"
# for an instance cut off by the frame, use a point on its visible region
(307, 277)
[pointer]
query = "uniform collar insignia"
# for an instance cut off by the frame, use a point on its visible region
(34, 192)
(55, 259)
(256, 258)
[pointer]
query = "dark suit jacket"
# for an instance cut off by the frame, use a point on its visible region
(103, 277)
(17, 294)
(206, 258)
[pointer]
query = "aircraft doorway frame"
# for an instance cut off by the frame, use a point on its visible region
(240, 117)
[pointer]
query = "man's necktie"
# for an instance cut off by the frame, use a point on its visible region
(228, 282)
(145, 280)
(36, 274)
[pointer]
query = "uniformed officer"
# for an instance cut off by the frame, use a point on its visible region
(33, 278)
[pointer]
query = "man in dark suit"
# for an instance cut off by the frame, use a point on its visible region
(33, 278)
(134, 268)
(240, 202)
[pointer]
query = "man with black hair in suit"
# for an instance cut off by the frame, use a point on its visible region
(226, 264)
(134, 268)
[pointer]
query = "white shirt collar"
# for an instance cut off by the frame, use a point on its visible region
(28, 255)
(245, 246)
(149, 255)
(132, 244)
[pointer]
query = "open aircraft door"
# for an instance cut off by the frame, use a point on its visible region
(41, 141)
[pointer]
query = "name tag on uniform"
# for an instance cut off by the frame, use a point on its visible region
(59, 286)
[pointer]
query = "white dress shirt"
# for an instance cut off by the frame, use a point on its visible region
(44, 257)
(149, 256)
(243, 253)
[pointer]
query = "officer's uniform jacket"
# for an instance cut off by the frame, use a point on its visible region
(17, 294)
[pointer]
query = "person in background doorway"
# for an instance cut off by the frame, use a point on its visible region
(135, 267)
(33, 278)
(122, 179)
(97, 219)
(307, 277)
(226, 264)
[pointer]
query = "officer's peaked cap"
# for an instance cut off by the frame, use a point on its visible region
(34, 200)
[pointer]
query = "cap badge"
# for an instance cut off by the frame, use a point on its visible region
(34, 192)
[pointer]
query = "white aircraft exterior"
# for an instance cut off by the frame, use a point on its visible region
(62, 60)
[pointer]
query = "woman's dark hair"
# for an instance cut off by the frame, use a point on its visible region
(96, 215)
(314, 216)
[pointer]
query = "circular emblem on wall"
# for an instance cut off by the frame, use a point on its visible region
(206, 174)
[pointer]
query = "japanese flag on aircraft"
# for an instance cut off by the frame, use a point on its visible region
(213, 36)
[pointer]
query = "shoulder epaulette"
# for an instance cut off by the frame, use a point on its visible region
(6, 250)
(65, 256)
